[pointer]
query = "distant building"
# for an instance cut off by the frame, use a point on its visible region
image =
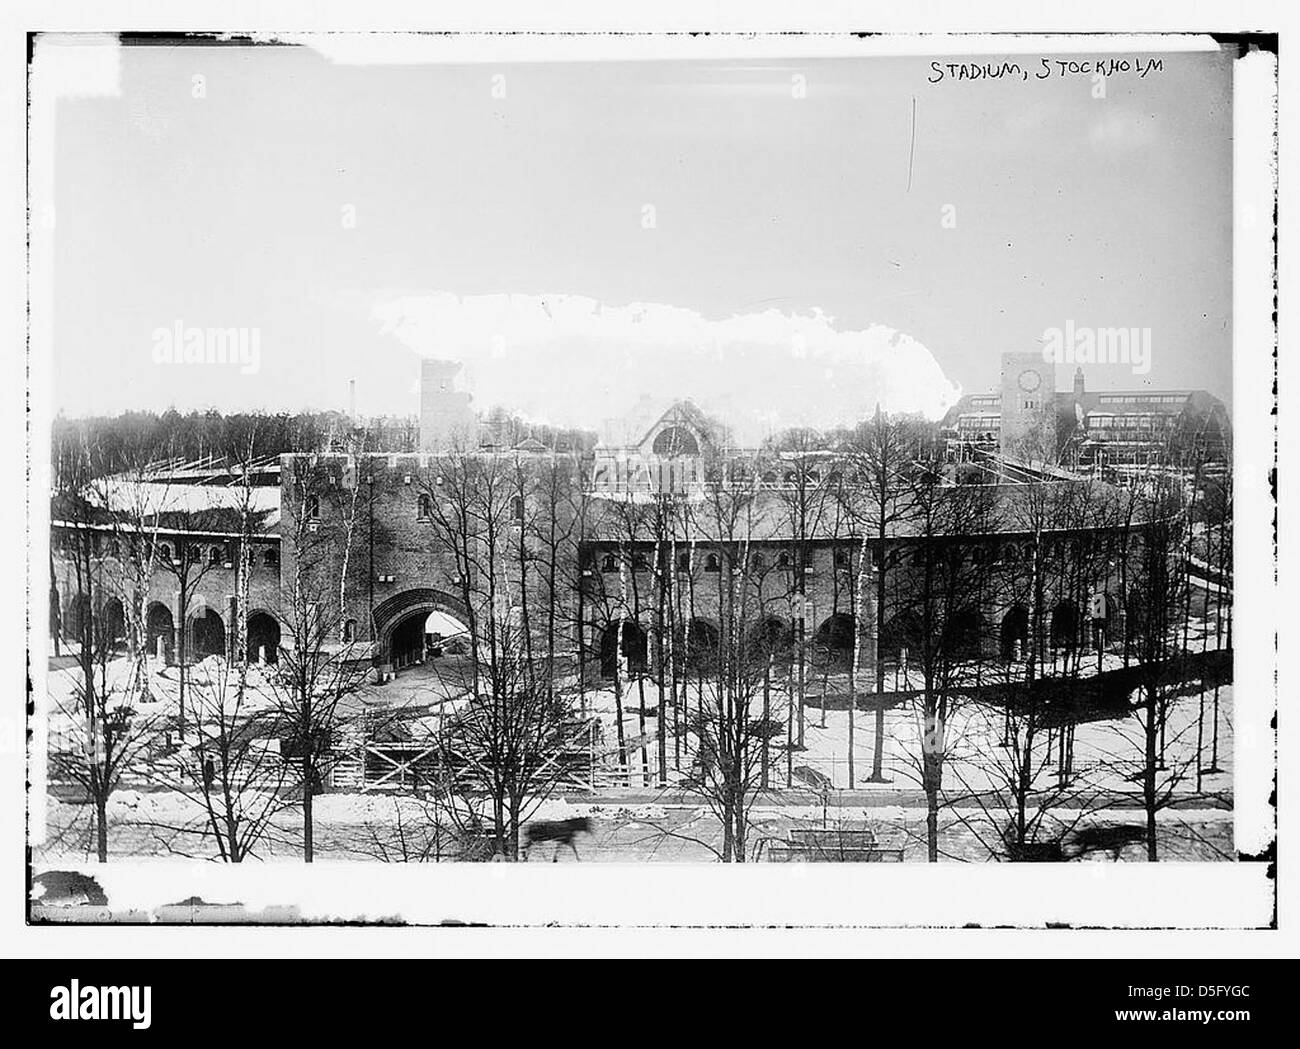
(446, 420)
(1081, 429)
(391, 566)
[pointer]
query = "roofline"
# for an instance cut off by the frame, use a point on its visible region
(195, 533)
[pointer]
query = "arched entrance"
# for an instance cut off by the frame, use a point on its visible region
(263, 638)
(400, 623)
(634, 648)
(771, 638)
(406, 642)
(1065, 625)
(1015, 632)
(207, 634)
(833, 642)
(701, 644)
(159, 625)
(421, 636)
(901, 632)
(112, 626)
(962, 635)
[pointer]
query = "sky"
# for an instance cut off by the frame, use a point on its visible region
(608, 230)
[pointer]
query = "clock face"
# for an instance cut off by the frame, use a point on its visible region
(1030, 381)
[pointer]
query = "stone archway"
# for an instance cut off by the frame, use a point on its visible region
(962, 636)
(159, 625)
(700, 645)
(112, 626)
(1065, 625)
(207, 634)
(263, 637)
(1015, 632)
(771, 637)
(833, 642)
(393, 618)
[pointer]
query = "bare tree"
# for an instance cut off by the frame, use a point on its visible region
(1158, 576)
(186, 525)
(940, 619)
(880, 456)
(510, 736)
(315, 672)
(101, 735)
(734, 722)
(102, 731)
(233, 770)
(796, 456)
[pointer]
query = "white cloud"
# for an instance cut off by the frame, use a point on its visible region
(571, 361)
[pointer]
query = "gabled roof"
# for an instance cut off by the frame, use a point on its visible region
(684, 413)
(637, 428)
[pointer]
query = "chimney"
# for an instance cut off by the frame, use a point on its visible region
(1078, 383)
(352, 400)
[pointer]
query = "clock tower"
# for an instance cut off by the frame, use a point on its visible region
(1028, 406)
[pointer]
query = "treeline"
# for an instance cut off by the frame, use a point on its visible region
(123, 441)
(119, 441)
(506, 430)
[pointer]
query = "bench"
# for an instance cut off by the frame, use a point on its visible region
(826, 845)
(788, 853)
(832, 838)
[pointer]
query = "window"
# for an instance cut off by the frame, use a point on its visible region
(165, 553)
(675, 440)
(196, 555)
(683, 562)
(640, 563)
(609, 563)
(783, 559)
(791, 477)
(757, 563)
(769, 477)
(712, 564)
(214, 556)
(311, 507)
(350, 630)
(423, 508)
(271, 558)
(841, 557)
(517, 507)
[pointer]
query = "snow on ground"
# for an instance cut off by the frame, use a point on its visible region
(1104, 752)
(389, 828)
(153, 821)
